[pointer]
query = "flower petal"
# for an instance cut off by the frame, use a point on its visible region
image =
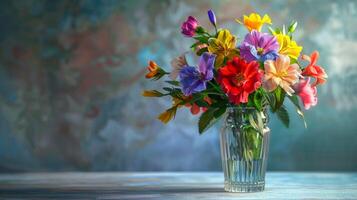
(206, 65)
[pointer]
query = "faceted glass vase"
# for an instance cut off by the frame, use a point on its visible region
(244, 141)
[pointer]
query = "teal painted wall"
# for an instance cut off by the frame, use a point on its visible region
(71, 74)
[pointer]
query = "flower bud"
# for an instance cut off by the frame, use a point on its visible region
(212, 17)
(188, 28)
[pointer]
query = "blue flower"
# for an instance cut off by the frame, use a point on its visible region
(212, 17)
(193, 79)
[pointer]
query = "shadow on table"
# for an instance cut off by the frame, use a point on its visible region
(138, 192)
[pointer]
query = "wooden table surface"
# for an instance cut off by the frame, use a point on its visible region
(172, 185)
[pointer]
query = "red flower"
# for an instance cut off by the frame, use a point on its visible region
(314, 70)
(194, 108)
(239, 78)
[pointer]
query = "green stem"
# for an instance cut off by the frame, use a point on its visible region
(207, 34)
(218, 89)
(215, 87)
(220, 94)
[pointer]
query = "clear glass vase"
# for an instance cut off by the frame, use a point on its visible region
(244, 142)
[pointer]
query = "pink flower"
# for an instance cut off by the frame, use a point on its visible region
(177, 64)
(188, 28)
(306, 92)
(199, 47)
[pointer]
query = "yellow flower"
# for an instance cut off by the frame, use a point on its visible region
(288, 46)
(152, 93)
(254, 21)
(224, 46)
(171, 112)
(168, 115)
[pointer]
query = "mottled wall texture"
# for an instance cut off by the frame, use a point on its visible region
(71, 74)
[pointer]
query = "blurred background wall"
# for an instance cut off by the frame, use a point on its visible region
(71, 74)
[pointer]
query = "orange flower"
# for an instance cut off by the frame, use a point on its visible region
(314, 70)
(153, 69)
(155, 72)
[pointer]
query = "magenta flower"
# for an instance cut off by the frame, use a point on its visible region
(194, 79)
(259, 46)
(306, 92)
(188, 28)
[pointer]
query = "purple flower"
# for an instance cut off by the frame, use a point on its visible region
(212, 17)
(259, 46)
(193, 79)
(188, 28)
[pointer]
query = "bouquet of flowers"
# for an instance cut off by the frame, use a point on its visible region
(259, 71)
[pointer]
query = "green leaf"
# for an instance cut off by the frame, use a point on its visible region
(158, 76)
(219, 104)
(195, 97)
(256, 122)
(174, 83)
(208, 118)
(277, 30)
(167, 89)
(271, 99)
(271, 30)
(201, 38)
(295, 101)
(201, 103)
(283, 115)
(279, 96)
(293, 61)
(292, 26)
(200, 30)
(254, 140)
(218, 113)
(257, 99)
(261, 65)
(201, 51)
(177, 93)
(194, 45)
